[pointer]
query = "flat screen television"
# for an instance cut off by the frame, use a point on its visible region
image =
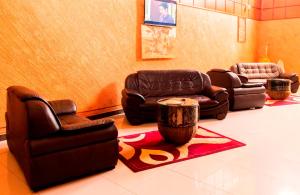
(160, 12)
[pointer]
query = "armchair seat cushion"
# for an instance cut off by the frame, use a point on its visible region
(249, 85)
(264, 81)
(246, 91)
(71, 119)
(62, 142)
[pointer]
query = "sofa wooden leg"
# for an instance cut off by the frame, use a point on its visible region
(221, 116)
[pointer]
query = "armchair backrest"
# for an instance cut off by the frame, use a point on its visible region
(151, 83)
(29, 115)
(257, 70)
(224, 78)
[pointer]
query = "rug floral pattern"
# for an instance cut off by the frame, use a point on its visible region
(292, 99)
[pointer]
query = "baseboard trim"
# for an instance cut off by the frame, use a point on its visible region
(105, 114)
(2, 137)
(93, 117)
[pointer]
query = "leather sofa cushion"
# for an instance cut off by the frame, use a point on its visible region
(61, 142)
(246, 91)
(168, 83)
(204, 101)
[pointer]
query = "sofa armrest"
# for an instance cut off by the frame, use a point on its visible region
(292, 76)
(219, 70)
(131, 103)
(129, 93)
(63, 106)
(217, 93)
(88, 125)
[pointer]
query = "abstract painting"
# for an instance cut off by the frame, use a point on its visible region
(158, 42)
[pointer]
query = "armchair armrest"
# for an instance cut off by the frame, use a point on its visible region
(217, 93)
(88, 125)
(292, 76)
(224, 78)
(63, 106)
(243, 79)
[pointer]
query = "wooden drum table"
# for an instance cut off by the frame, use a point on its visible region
(278, 89)
(177, 119)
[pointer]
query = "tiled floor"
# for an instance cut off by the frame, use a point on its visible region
(269, 164)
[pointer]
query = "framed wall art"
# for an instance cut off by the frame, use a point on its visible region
(158, 42)
(241, 29)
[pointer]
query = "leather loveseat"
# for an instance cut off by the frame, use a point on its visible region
(260, 72)
(51, 143)
(144, 88)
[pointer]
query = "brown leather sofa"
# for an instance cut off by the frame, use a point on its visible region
(241, 95)
(51, 143)
(144, 88)
(260, 72)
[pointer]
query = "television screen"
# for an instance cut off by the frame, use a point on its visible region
(160, 12)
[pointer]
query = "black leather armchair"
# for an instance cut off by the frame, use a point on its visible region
(51, 143)
(242, 95)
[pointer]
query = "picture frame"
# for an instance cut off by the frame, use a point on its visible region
(241, 29)
(158, 42)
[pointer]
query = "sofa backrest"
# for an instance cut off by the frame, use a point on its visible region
(29, 114)
(153, 83)
(257, 70)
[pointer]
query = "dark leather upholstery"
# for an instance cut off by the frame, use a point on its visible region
(260, 72)
(63, 106)
(241, 95)
(51, 143)
(144, 88)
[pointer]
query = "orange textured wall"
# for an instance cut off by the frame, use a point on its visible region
(83, 50)
(283, 40)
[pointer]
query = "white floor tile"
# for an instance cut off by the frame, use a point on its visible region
(96, 184)
(3, 147)
(10, 184)
(269, 163)
(159, 181)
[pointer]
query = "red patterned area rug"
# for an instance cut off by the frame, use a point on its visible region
(292, 99)
(149, 150)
